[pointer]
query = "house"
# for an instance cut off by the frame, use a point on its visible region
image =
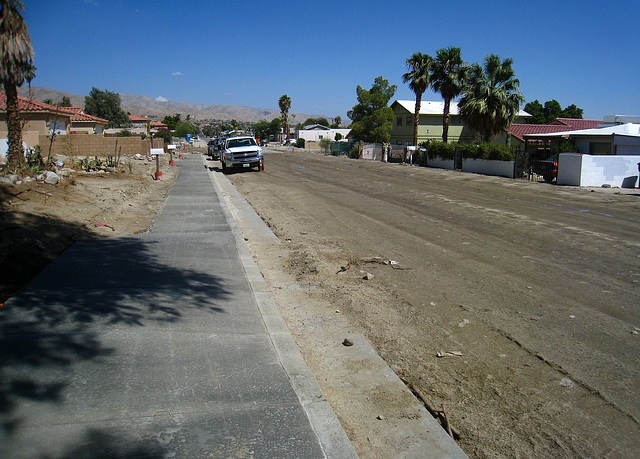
(605, 155)
(318, 132)
(40, 119)
(620, 139)
(81, 123)
(138, 121)
(430, 127)
(541, 149)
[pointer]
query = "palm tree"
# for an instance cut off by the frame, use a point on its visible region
(16, 63)
(285, 104)
(449, 75)
(491, 99)
(419, 78)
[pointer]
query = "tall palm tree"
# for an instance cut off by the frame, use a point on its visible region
(419, 78)
(16, 63)
(285, 104)
(491, 99)
(449, 75)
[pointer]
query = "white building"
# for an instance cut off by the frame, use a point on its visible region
(318, 132)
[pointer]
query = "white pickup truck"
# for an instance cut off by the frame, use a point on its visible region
(241, 152)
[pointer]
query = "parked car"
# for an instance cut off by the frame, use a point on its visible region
(547, 168)
(213, 149)
(241, 152)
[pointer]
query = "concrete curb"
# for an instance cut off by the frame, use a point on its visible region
(331, 435)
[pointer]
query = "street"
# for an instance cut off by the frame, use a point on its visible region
(514, 303)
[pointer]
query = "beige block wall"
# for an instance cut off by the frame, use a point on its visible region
(96, 145)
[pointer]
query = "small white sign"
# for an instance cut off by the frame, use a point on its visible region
(172, 147)
(157, 151)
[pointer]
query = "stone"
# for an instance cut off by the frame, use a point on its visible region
(5, 180)
(52, 178)
(14, 178)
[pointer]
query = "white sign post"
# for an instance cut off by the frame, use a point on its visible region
(157, 152)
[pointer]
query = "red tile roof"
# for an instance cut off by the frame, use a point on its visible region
(30, 105)
(519, 130)
(577, 124)
(78, 114)
(72, 109)
(138, 119)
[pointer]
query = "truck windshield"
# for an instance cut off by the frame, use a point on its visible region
(233, 143)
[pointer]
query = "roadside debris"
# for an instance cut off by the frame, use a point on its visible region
(347, 342)
(449, 354)
(108, 226)
(379, 260)
(441, 415)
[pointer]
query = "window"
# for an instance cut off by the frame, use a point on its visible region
(399, 142)
(409, 120)
(399, 121)
(320, 137)
(599, 148)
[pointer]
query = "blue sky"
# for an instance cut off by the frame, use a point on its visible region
(249, 53)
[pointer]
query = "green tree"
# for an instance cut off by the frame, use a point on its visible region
(261, 129)
(184, 128)
(552, 110)
(171, 121)
(65, 102)
(164, 135)
(536, 110)
(48, 101)
(419, 79)
(449, 77)
(572, 112)
(321, 120)
(337, 121)
(372, 118)
(544, 114)
(16, 65)
(106, 104)
(491, 98)
(285, 104)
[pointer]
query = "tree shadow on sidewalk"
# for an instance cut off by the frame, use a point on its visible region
(98, 286)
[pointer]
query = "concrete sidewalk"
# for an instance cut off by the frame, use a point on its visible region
(161, 344)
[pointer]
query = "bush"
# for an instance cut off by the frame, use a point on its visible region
(566, 146)
(300, 143)
(355, 151)
(492, 151)
(483, 150)
(325, 146)
(441, 149)
(164, 135)
(124, 133)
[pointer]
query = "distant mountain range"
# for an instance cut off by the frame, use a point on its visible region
(151, 108)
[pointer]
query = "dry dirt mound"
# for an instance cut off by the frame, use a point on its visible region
(39, 221)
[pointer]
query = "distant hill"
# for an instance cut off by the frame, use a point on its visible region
(151, 108)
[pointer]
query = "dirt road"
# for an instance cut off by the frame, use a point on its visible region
(515, 304)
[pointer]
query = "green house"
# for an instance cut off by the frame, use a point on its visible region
(431, 123)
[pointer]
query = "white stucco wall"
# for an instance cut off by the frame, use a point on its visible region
(488, 167)
(598, 170)
(440, 163)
